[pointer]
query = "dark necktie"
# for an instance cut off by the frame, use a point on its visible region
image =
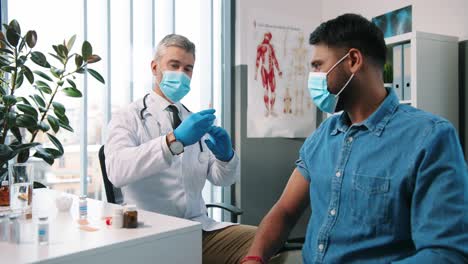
(175, 116)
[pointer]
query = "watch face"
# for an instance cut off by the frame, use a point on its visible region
(176, 147)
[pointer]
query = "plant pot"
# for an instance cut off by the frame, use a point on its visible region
(21, 178)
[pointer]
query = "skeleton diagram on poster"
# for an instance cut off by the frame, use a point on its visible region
(279, 103)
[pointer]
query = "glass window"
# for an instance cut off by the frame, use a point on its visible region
(125, 34)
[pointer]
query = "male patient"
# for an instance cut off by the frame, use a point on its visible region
(387, 183)
(158, 154)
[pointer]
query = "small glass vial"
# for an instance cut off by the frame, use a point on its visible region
(15, 231)
(43, 231)
(83, 207)
(130, 217)
(4, 227)
(117, 218)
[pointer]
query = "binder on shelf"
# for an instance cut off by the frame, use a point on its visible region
(398, 70)
(407, 71)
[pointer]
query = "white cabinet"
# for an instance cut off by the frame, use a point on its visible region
(428, 77)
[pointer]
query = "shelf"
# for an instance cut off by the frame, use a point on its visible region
(399, 38)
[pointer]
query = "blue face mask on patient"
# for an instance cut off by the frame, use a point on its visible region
(175, 85)
(318, 89)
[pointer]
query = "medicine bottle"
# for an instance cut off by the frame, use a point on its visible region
(15, 231)
(130, 217)
(4, 227)
(43, 231)
(117, 218)
(83, 207)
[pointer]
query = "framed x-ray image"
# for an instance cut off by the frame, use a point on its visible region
(395, 22)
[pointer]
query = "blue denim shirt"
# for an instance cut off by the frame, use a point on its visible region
(392, 189)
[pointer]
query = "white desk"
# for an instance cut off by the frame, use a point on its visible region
(162, 239)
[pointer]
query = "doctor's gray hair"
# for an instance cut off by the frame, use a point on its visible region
(174, 40)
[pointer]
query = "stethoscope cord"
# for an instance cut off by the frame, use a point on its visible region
(145, 107)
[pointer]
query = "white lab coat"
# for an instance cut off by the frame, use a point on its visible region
(139, 162)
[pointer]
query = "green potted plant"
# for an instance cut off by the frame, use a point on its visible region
(388, 74)
(22, 118)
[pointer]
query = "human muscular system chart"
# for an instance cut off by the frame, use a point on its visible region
(267, 62)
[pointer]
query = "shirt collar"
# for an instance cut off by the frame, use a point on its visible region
(377, 121)
(157, 103)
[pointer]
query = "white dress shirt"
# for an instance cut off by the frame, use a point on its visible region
(139, 162)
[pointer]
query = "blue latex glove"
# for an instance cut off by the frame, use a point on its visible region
(220, 144)
(194, 127)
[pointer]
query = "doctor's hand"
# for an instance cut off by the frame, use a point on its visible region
(194, 127)
(220, 144)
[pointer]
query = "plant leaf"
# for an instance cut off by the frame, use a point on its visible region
(44, 87)
(11, 119)
(62, 60)
(43, 126)
(23, 156)
(66, 126)
(70, 42)
(28, 73)
(9, 100)
(56, 72)
(54, 152)
(93, 58)
(31, 38)
(19, 79)
(6, 153)
(21, 147)
(63, 50)
(12, 37)
(6, 50)
(43, 154)
(86, 50)
(27, 109)
(17, 133)
(72, 83)
(54, 123)
(63, 118)
(60, 108)
(23, 99)
(26, 121)
(96, 75)
(14, 25)
(38, 99)
(43, 75)
(72, 92)
(78, 61)
(39, 58)
(8, 69)
(56, 142)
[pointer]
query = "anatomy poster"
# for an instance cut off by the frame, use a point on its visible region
(279, 103)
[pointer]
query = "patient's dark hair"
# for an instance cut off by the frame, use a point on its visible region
(352, 31)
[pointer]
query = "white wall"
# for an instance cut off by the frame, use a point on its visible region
(447, 17)
(310, 10)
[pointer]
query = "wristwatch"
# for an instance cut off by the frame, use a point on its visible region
(175, 146)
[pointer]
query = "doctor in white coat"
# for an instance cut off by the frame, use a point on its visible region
(159, 153)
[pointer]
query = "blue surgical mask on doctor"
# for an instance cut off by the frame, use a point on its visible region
(175, 85)
(318, 89)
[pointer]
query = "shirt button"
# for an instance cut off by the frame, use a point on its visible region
(333, 212)
(338, 174)
(350, 139)
(320, 247)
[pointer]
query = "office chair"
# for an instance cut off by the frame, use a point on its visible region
(114, 195)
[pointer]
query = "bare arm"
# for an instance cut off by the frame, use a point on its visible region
(277, 224)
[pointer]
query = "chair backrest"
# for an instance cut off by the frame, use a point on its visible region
(114, 195)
